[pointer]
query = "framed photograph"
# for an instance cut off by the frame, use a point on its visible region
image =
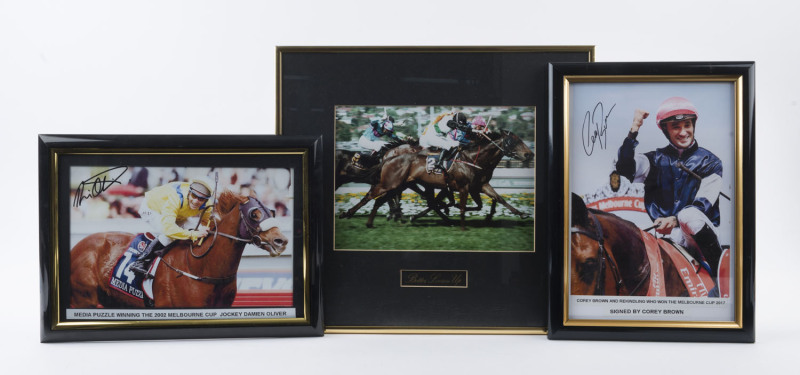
(431, 182)
(174, 236)
(654, 184)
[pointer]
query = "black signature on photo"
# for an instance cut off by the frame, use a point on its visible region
(98, 184)
(593, 130)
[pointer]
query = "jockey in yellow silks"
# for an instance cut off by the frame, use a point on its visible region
(167, 208)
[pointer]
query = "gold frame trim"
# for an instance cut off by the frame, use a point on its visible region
(466, 280)
(439, 251)
(59, 323)
(738, 104)
(437, 330)
(279, 50)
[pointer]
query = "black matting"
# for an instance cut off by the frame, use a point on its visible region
(555, 227)
(506, 290)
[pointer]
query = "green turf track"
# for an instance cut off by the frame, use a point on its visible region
(429, 233)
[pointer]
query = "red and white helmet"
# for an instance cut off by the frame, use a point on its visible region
(676, 108)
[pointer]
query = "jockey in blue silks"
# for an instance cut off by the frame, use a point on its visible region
(372, 138)
(681, 205)
(465, 135)
(436, 135)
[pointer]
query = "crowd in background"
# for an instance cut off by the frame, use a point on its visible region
(273, 187)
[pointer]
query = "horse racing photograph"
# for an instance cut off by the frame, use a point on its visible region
(434, 178)
(156, 242)
(651, 197)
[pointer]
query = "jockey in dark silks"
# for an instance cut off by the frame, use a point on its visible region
(466, 134)
(372, 138)
(681, 205)
(435, 135)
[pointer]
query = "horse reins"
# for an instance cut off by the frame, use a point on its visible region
(604, 254)
(244, 222)
(255, 240)
(213, 207)
(475, 159)
(204, 279)
(604, 257)
(503, 150)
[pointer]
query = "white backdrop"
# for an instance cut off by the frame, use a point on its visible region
(209, 67)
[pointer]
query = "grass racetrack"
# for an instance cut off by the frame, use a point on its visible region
(431, 233)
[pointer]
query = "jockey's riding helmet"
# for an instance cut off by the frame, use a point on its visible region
(200, 188)
(676, 108)
(478, 124)
(388, 124)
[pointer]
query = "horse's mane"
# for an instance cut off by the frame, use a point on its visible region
(580, 215)
(228, 200)
(394, 143)
(610, 216)
(481, 141)
(399, 142)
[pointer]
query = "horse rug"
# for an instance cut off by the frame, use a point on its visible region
(433, 159)
(127, 281)
(725, 274)
(697, 280)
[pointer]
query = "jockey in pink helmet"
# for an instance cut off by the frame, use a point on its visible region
(682, 181)
(479, 125)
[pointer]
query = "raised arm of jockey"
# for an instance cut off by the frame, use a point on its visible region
(440, 117)
(629, 164)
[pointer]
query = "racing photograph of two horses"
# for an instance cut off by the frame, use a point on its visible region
(434, 178)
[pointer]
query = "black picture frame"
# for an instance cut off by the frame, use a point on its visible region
(503, 293)
(290, 304)
(567, 82)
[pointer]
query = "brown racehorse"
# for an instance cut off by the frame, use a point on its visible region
(213, 264)
(470, 174)
(347, 172)
(620, 265)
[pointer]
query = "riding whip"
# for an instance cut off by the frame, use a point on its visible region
(213, 206)
(695, 175)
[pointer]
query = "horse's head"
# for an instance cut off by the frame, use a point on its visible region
(513, 146)
(585, 251)
(262, 226)
(257, 224)
(607, 255)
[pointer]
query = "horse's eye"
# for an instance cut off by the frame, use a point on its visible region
(588, 269)
(255, 215)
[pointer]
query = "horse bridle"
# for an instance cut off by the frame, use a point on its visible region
(603, 257)
(506, 143)
(246, 227)
(249, 227)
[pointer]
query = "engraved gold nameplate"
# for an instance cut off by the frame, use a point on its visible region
(434, 278)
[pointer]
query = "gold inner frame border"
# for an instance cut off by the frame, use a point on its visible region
(427, 250)
(60, 323)
(737, 81)
(280, 50)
